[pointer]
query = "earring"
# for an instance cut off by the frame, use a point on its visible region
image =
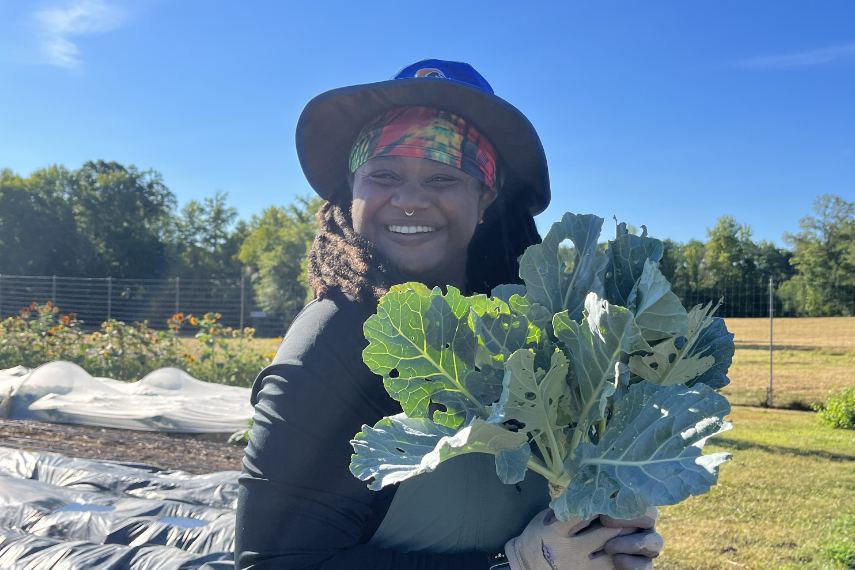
(481, 221)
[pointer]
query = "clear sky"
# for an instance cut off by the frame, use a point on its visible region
(668, 113)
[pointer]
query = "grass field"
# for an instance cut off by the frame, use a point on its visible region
(785, 501)
(811, 357)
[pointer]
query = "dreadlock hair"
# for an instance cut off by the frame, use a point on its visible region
(341, 258)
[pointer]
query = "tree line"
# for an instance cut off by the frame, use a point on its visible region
(105, 219)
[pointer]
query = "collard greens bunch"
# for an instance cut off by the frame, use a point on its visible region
(592, 375)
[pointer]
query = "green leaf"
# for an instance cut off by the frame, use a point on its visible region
(627, 255)
(421, 343)
(398, 448)
(547, 281)
(714, 341)
(595, 346)
(658, 311)
(505, 292)
(679, 359)
(531, 397)
(500, 330)
(537, 315)
(650, 454)
(512, 464)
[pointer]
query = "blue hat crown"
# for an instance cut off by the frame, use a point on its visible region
(441, 69)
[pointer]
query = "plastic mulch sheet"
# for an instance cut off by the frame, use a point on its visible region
(168, 400)
(63, 513)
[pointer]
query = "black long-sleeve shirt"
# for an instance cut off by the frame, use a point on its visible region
(300, 507)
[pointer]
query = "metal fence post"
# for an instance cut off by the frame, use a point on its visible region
(242, 298)
(53, 293)
(770, 397)
(177, 296)
(109, 297)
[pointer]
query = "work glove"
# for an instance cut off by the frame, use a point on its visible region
(549, 544)
(640, 543)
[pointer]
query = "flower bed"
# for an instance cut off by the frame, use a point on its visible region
(41, 334)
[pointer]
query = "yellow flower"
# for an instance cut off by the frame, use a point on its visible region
(193, 321)
(219, 316)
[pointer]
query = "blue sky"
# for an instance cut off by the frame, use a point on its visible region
(665, 113)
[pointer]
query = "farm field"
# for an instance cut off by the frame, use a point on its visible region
(785, 501)
(812, 356)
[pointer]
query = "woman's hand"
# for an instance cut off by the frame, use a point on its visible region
(638, 544)
(549, 544)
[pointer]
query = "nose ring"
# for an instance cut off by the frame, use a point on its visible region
(409, 213)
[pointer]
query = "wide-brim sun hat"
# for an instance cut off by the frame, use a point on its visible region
(331, 122)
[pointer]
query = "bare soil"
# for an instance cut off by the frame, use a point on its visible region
(195, 453)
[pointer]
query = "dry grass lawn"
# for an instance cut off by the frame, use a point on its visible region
(811, 358)
(779, 502)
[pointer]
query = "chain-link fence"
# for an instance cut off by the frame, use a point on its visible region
(804, 357)
(95, 300)
(752, 298)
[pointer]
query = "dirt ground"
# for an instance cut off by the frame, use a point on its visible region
(192, 453)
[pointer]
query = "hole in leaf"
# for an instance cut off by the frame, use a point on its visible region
(400, 450)
(394, 373)
(671, 358)
(567, 255)
(530, 396)
(654, 365)
(447, 346)
(477, 369)
(613, 495)
(514, 425)
(433, 408)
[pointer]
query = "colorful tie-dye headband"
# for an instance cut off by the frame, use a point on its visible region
(423, 132)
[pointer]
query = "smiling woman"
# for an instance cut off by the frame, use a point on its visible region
(420, 215)
(428, 177)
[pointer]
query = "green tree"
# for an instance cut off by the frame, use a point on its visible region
(125, 215)
(773, 261)
(206, 239)
(38, 228)
(682, 265)
(824, 256)
(728, 253)
(276, 249)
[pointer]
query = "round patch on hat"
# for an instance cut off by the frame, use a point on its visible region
(430, 72)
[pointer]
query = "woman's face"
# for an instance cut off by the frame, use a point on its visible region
(446, 204)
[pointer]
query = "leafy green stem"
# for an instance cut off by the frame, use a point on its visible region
(601, 427)
(537, 466)
(554, 453)
(577, 438)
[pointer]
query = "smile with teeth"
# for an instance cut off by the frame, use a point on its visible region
(411, 229)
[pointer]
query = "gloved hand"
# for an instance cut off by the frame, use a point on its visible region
(639, 543)
(549, 544)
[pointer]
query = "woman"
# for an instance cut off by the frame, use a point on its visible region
(428, 177)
